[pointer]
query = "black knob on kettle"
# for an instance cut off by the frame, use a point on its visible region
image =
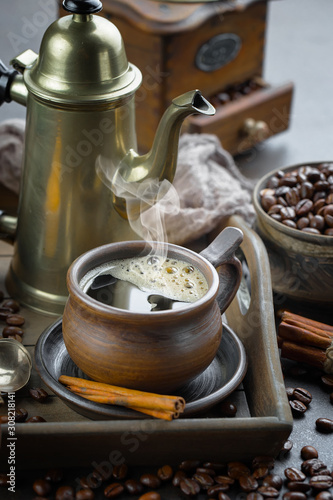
(82, 6)
(6, 78)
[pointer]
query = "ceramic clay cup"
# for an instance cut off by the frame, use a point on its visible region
(155, 351)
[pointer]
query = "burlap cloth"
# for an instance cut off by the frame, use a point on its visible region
(208, 182)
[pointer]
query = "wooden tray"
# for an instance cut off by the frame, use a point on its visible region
(263, 419)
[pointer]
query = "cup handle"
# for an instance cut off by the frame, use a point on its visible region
(221, 254)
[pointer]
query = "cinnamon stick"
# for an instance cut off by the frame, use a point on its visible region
(288, 316)
(305, 340)
(157, 405)
(304, 354)
(163, 414)
(299, 334)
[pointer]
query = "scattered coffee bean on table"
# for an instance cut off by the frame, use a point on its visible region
(324, 425)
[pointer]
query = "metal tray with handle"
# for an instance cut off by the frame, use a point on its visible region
(261, 426)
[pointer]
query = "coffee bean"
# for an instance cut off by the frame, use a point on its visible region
(133, 486)
(36, 419)
(254, 495)
(312, 466)
(286, 447)
(1, 295)
(303, 207)
(213, 465)
(298, 486)
(165, 473)
(317, 222)
(204, 480)
(227, 409)
(328, 219)
(38, 394)
(85, 494)
(248, 483)
(21, 415)
(267, 201)
(308, 452)
(288, 213)
(5, 312)
(273, 480)
(180, 474)
(321, 482)
(238, 469)
(65, 493)
(224, 480)
(327, 382)
(54, 475)
(41, 487)
(206, 470)
(150, 480)
(15, 320)
(12, 330)
(268, 491)
(189, 465)
(310, 230)
(14, 336)
(120, 471)
(294, 474)
(289, 223)
(223, 496)
(150, 495)
(324, 495)
(260, 472)
(324, 425)
(189, 487)
(213, 491)
(11, 304)
(298, 408)
(4, 479)
(113, 490)
(302, 395)
(294, 495)
(290, 180)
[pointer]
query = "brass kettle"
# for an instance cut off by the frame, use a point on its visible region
(79, 93)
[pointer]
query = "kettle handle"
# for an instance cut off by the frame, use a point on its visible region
(8, 225)
(221, 254)
(6, 78)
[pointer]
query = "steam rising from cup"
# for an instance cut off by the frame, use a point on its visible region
(147, 203)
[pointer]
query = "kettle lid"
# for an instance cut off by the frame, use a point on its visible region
(82, 59)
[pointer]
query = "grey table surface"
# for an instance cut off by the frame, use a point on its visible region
(299, 48)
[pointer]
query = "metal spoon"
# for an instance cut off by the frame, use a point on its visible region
(15, 365)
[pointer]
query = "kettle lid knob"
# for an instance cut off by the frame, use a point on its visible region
(82, 6)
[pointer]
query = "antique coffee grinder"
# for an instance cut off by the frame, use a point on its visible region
(79, 93)
(215, 45)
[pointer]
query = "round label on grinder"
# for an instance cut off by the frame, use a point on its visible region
(218, 51)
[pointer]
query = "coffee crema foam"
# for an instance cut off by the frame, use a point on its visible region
(175, 279)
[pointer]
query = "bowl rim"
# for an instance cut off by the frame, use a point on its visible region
(87, 261)
(301, 235)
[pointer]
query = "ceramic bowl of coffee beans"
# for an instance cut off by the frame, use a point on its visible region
(146, 316)
(294, 208)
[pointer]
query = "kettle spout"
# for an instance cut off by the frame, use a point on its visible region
(161, 161)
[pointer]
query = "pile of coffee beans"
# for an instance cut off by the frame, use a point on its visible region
(9, 309)
(311, 478)
(235, 92)
(13, 329)
(302, 198)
